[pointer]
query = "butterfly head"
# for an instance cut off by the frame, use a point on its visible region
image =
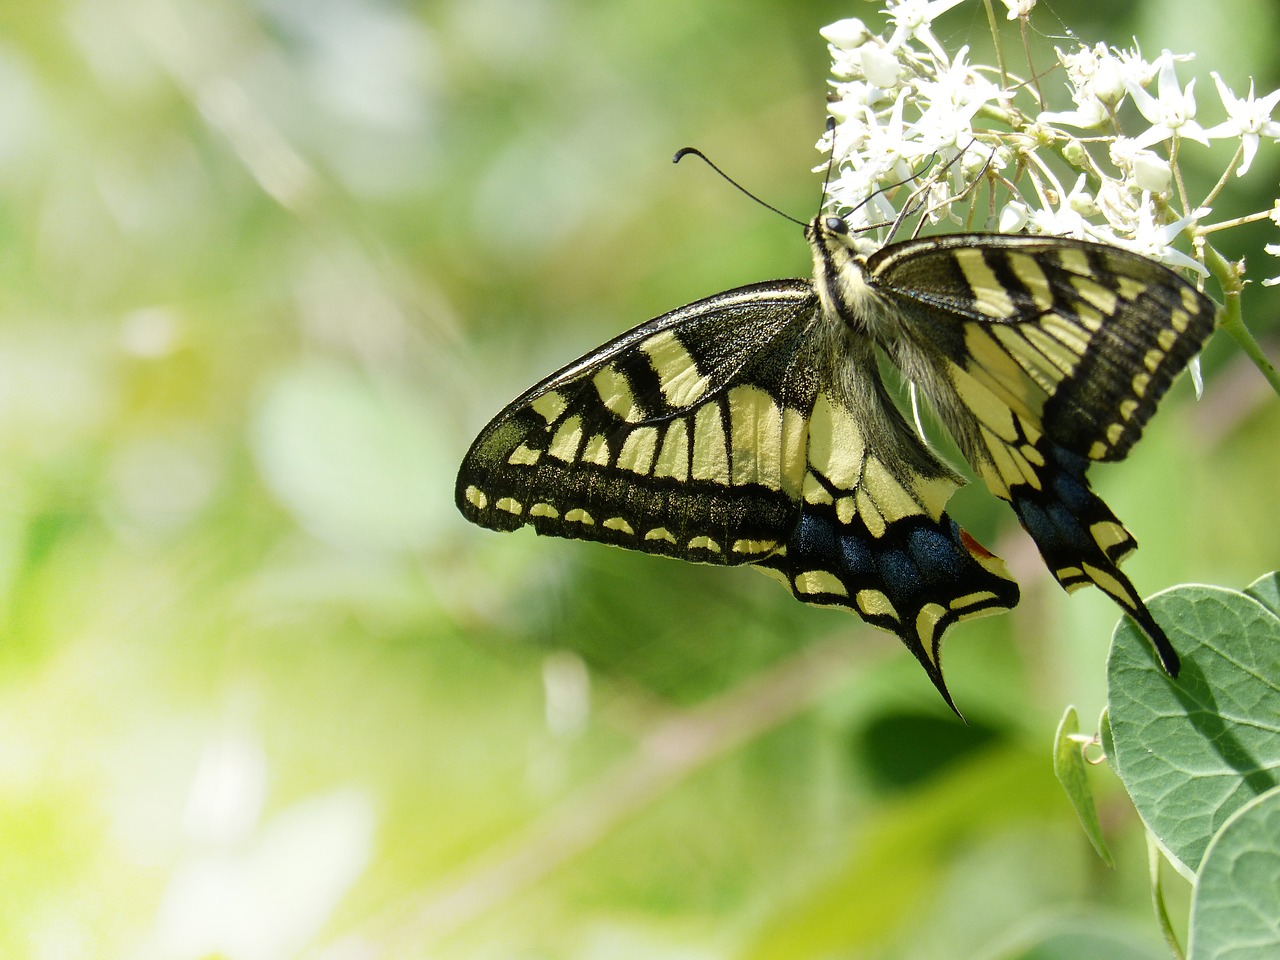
(839, 271)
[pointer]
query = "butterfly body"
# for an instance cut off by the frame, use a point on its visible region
(753, 427)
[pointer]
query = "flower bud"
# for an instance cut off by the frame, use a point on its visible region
(1013, 217)
(1108, 82)
(1075, 153)
(848, 34)
(879, 66)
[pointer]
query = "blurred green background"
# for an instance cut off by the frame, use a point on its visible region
(266, 269)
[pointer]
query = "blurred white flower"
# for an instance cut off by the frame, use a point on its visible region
(246, 890)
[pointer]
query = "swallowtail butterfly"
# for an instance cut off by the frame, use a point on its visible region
(753, 427)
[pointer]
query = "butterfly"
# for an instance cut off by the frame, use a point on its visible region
(753, 427)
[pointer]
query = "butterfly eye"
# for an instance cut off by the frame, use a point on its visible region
(837, 225)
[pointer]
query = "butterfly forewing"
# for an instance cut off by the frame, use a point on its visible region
(1079, 339)
(682, 437)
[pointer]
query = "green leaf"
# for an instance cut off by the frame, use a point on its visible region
(1193, 751)
(1235, 912)
(1071, 771)
(1266, 590)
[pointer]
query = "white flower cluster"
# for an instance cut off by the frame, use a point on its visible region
(922, 135)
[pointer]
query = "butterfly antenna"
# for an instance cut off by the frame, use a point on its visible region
(831, 162)
(686, 151)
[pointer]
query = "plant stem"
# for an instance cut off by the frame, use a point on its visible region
(1232, 318)
(1157, 899)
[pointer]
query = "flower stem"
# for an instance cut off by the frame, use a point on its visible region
(1232, 318)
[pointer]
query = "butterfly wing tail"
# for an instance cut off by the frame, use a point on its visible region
(1083, 542)
(915, 580)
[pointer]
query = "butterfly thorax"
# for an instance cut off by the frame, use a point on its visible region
(840, 279)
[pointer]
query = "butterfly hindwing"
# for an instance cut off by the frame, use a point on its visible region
(873, 537)
(1044, 355)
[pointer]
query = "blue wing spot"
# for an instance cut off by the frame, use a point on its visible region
(936, 555)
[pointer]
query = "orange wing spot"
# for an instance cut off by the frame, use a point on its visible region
(974, 547)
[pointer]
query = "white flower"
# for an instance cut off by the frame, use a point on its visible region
(1120, 203)
(1070, 219)
(1156, 240)
(889, 148)
(1134, 69)
(939, 202)
(1174, 112)
(849, 136)
(1013, 217)
(958, 86)
(1081, 66)
(912, 19)
(1151, 172)
(954, 97)
(974, 163)
(1060, 223)
(1099, 82)
(900, 100)
(1275, 213)
(1109, 80)
(856, 193)
(852, 99)
(1247, 119)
